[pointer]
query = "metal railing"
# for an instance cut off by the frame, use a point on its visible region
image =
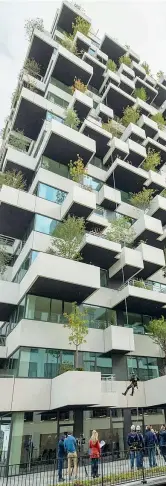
(146, 285)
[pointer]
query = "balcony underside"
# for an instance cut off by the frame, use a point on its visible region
(41, 52)
(160, 214)
(95, 255)
(66, 70)
(148, 270)
(162, 151)
(6, 310)
(28, 173)
(149, 236)
(100, 139)
(14, 221)
(29, 119)
(124, 179)
(63, 150)
(98, 71)
(56, 289)
(78, 210)
(141, 305)
(125, 273)
(82, 109)
(113, 50)
(118, 100)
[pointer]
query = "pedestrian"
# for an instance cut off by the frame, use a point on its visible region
(162, 441)
(133, 384)
(140, 448)
(61, 455)
(70, 445)
(132, 441)
(94, 447)
(151, 443)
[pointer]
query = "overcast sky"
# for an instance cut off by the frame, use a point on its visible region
(141, 24)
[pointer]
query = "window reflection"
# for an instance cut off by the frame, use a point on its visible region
(43, 224)
(51, 193)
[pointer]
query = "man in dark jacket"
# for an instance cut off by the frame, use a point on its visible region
(150, 444)
(133, 384)
(140, 448)
(162, 441)
(61, 455)
(132, 440)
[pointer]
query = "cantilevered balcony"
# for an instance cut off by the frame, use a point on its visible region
(147, 228)
(41, 49)
(112, 48)
(128, 264)
(150, 91)
(156, 181)
(161, 94)
(67, 62)
(126, 84)
(138, 69)
(125, 176)
(16, 160)
(81, 103)
(109, 77)
(150, 143)
(153, 260)
(118, 148)
(119, 339)
(139, 300)
(158, 209)
(117, 99)
(104, 112)
(108, 197)
(137, 153)
(66, 16)
(126, 71)
(150, 127)
(98, 69)
(79, 202)
(133, 132)
(100, 137)
(60, 278)
(145, 108)
(9, 297)
(97, 250)
(160, 137)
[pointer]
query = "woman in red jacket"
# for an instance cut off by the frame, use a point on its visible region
(94, 447)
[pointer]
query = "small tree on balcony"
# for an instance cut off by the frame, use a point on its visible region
(152, 160)
(159, 119)
(71, 119)
(67, 237)
(13, 179)
(159, 75)
(18, 141)
(130, 115)
(32, 67)
(157, 329)
(112, 127)
(78, 84)
(77, 170)
(142, 199)
(121, 231)
(80, 25)
(4, 258)
(67, 42)
(78, 328)
(111, 65)
(146, 66)
(125, 60)
(140, 93)
(32, 24)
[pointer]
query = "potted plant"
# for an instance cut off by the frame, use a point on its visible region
(67, 237)
(130, 115)
(78, 84)
(140, 93)
(152, 161)
(111, 65)
(77, 170)
(142, 199)
(71, 119)
(125, 60)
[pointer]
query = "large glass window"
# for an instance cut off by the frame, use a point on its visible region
(51, 193)
(43, 224)
(138, 322)
(100, 317)
(144, 367)
(25, 266)
(97, 362)
(57, 100)
(46, 309)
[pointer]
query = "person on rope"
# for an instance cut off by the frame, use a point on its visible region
(133, 384)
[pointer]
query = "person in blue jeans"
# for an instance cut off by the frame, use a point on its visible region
(132, 441)
(150, 444)
(140, 448)
(61, 455)
(162, 441)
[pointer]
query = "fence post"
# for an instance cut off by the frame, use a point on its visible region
(102, 475)
(144, 481)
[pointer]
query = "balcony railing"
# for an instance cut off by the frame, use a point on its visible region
(147, 285)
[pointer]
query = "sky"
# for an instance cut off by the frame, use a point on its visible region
(140, 24)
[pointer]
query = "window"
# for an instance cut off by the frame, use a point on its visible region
(103, 277)
(97, 362)
(57, 100)
(37, 308)
(100, 317)
(51, 116)
(51, 193)
(25, 266)
(43, 224)
(144, 367)
(137, 322)
(95, 184)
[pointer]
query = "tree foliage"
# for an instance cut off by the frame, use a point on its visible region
(67, 42)
(80, 25)
(112, 127)
(157, 328)
(152, 160)
(125, 60)
(77, 169)
(130, 115)
(140, 93)
(78, 84)
(32, 67)
(121, 231)
(159, 119)
(146, 66)
(67, 237)
(18, 141)
(31, 25)
(4, 258)
(13, 179)
(111, 65)
(77, 325)
(71, 119)
(159, 75)
(142, 199)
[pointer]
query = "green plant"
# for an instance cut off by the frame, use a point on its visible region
(71, 119)
(142, 199)
(111, 65)
(125, 60)
(120, 231)
(13, 179)
(32, 67)
(4, 258)
(159, 75)
(67, 237)
(140, 93)
(159, 119)
(145, 65)
(67, 42)
(77, 169)
(152, 160)
(18, 141)
(64, 367)
(130, 115)
(80, 25)
(112, 127)
(139, 283)
(78, 84)
(157, 328)
(77, 325)
(31, 24)
(15, 96)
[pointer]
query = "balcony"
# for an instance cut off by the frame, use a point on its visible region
(134, 133)
(128, 264)
(93, 130)
(144, 108)
(96, 250)
(161, 95)
(139, 300)
(126, 71)
(109, 77)
(79, 202)
(150, 143)
(104, 112)
(126, 84)
(81, 103)
(160, 137)
(109, 198)
(117, 99)
(158, 209)
(150, 91)
(138, 70)
(137, 153)
(112, 48)
(156, 181)
(9, 297)
(66, 16)
(123, 176)
(153, 260)
(16, 161)
(148, 229)
(41, 49)
(150, 127)
(98, 69)
(118, 148)
(67, 62)
(118, 339)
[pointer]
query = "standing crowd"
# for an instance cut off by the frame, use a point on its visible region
(148, 444)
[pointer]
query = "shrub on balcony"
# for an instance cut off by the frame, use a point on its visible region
(13, 179)
(111, 65)
(159, 75)
(67, 42)
(18, 141)
(112, 127)
(32, 24)
(139, 283)
(121, 231)
(32, 67)
(125, 60)
(67, 237)
(4, 258)
(152, 160)
(78, 84)
(130, 115)
(77, 170)
(146, 66)
(140, 93)
(159, 119)
(78, 329)
(157, 329)
(142, 199)
(71, 119)
(80, 25)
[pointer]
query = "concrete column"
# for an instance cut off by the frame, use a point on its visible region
(16, 442)
(36, 435)
(119, 367)
(78, 422)
(127, 425)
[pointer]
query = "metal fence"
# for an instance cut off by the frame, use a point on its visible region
(109, 469)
